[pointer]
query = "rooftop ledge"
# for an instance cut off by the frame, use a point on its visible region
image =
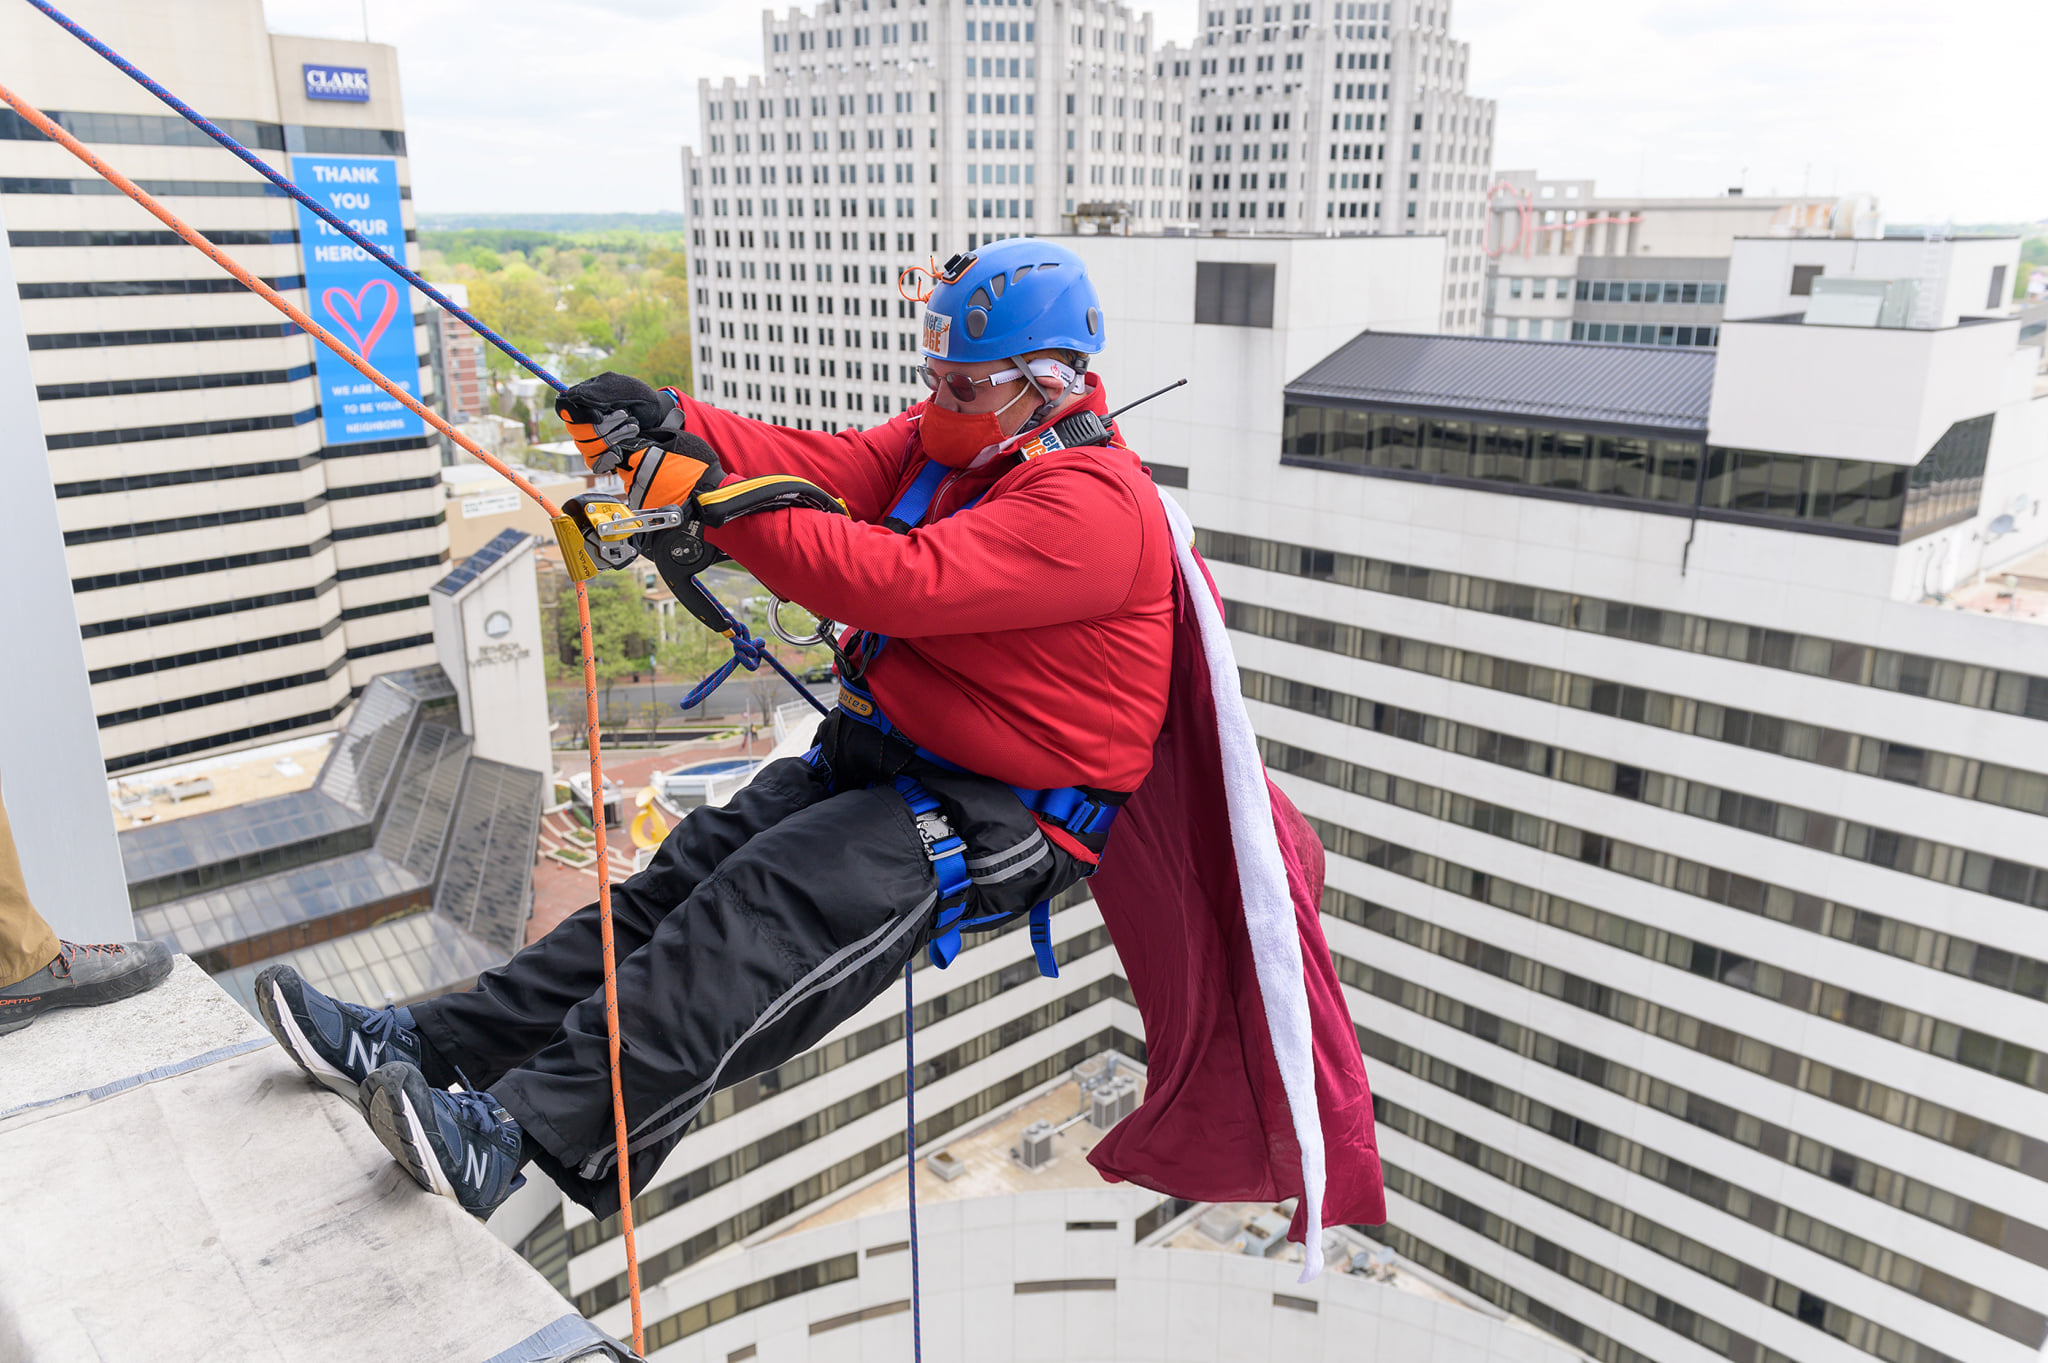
(178, 1191)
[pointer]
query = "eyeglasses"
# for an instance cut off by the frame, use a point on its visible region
(961, 385)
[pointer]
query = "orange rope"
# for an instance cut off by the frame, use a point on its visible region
(51, 130)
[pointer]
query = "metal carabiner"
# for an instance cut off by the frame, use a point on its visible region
(824, 634)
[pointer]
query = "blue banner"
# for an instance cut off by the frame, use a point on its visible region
(361, 302)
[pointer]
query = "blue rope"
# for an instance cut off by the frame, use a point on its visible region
(277, 178)
(910, 1150)
(748, 652)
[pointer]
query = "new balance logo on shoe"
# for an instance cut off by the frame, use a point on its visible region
(475, 1168)
(363, 1059)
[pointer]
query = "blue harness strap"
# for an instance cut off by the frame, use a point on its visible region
(1069, 807)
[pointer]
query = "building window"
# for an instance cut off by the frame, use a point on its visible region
(1803, 277)
(1233, 294)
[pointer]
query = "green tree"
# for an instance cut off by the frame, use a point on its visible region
(621, 629)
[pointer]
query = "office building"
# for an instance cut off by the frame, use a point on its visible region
(1342, 118)
(1567, 263)
(244, 556)
(881, 139)
(1685, 830)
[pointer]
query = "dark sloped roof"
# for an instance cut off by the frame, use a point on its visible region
(1655, 386)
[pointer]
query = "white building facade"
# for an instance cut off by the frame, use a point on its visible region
(1686, 865)
(1343, 118)
(237, 578)
(1566, 263)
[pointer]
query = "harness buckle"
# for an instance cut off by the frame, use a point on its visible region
(936, 832)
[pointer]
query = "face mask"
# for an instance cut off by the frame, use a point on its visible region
(955, 438)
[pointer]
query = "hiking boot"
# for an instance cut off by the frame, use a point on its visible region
(335, 1042)
(84, 975)
(460, 1145)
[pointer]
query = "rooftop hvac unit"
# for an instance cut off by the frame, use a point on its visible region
(946, 1165)
(1102, 1112)
(1221, 1224)
(1264, 1234)
(1034, 1151)
(1126, 1096)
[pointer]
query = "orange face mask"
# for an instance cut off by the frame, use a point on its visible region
(955, 439)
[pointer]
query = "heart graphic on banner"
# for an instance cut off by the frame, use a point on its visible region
(334, 300)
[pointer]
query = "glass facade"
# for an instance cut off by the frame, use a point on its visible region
(1862, 498)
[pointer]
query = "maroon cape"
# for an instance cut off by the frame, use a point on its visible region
(1215, 1124)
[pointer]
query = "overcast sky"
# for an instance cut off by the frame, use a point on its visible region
(579, 105)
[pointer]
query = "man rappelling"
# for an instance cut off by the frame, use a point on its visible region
(1034, 684)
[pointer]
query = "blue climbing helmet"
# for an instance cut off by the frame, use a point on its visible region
(1010, 298)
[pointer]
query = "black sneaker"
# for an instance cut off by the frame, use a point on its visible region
(334, 1042)
(460, 1145)
(84, 975)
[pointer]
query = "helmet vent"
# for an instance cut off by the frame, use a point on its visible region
(977, 321)
(1020, 274)
(996, 285)
(980, 299)
(1094, 322)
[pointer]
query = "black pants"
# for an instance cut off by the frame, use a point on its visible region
(757, 928)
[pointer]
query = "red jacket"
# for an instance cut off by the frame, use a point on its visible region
(1030, 635)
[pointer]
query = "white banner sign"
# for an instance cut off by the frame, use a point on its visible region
(489, 504)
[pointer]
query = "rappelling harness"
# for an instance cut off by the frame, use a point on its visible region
(1082, 812)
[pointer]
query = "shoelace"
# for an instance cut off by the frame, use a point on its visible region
(380, 1025)
(481, 1111)
(68, 952)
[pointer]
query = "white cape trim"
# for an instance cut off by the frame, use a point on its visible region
(1262, 884)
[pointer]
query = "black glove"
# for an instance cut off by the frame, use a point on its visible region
(616, 420)
(613, 415)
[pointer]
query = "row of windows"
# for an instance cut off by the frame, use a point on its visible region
(820, 208)
(1711, 1334)
(1002, 208)
(177, 383)
(1912, 674)
(206, 520)
(192, 658)
(166, 130)
(1987, 1225)
(93, 487)
(207, 611)
(1971, 1135)
(96, 340)
(218, 236)
(1631, 333)
(1871, 500)
(171, 752)
(162, 189)
(395, 566)
(2008, 1060)
(1949, 865)
(389, 646)
(357, 532)
(162, 572)
(143, 288)
(181, 430)
(1635, 290)
(397, 603)
(158, 709)
(1972, 779)
(1894, 1269)
(794, 1282)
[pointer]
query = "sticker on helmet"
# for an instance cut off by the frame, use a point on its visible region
(937, 327)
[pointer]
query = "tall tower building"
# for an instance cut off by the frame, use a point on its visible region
(882, 137)
(1683, 789)
(245, 548)
(1342, 118)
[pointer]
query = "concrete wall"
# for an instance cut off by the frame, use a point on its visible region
(55, 786)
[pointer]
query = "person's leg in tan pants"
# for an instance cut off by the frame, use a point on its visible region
(26, 942)
(39, 972)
